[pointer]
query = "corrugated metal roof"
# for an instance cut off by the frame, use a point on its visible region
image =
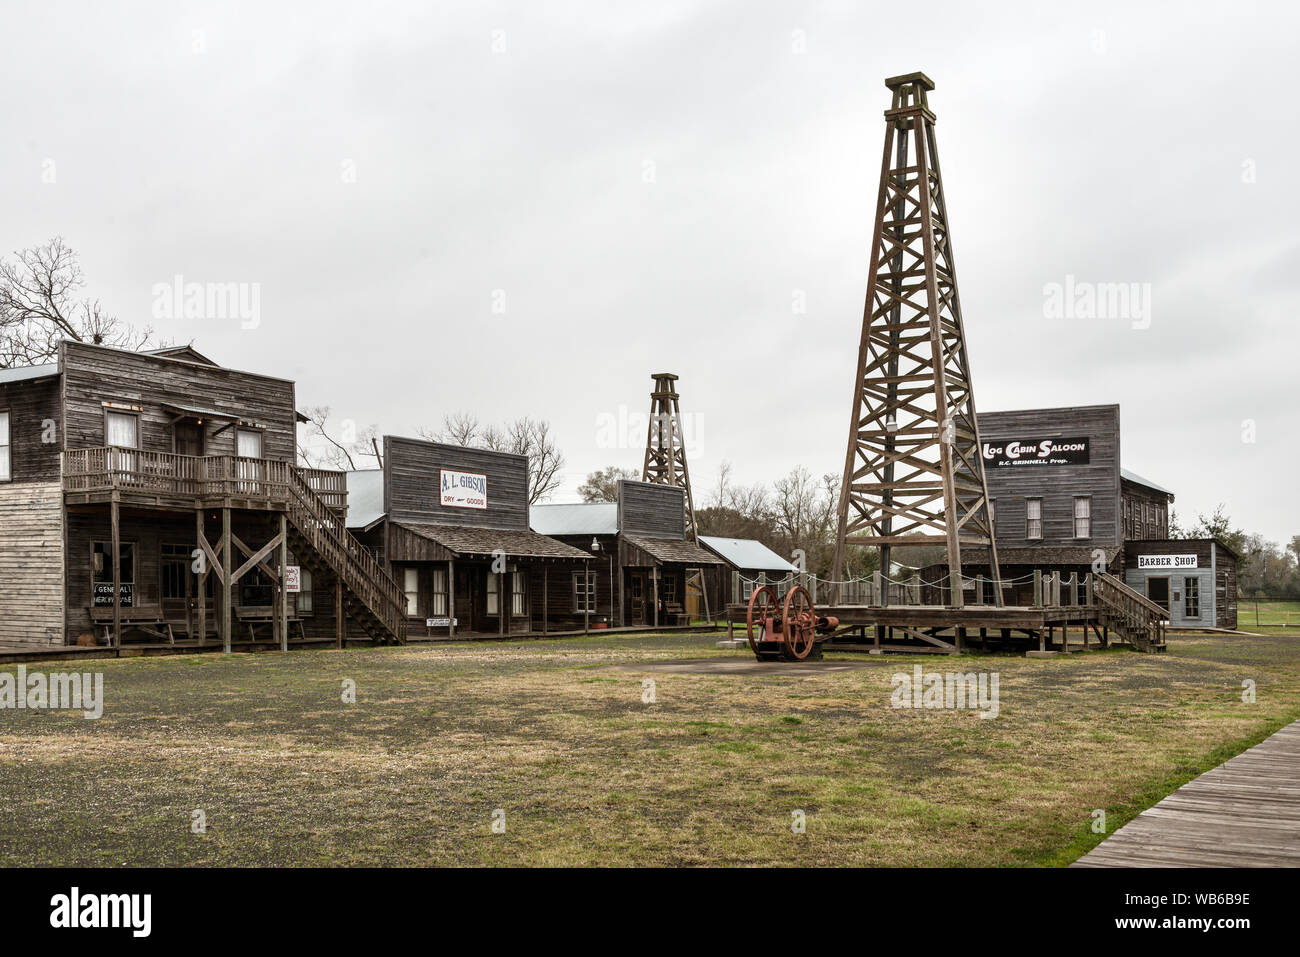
(29, 372)
(747, 553)
(579, 518)
(365, 497)
(1134, 477)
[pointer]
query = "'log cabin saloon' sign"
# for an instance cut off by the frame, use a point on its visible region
(1018, 452)
(1167, 561)
(463, 489)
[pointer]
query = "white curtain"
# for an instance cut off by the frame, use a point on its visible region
(122, 430)
(4, 446)
(249, 445)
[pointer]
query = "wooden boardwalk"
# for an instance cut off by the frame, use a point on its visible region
(1244, 813)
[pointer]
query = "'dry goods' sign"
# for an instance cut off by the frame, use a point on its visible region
(464, 489)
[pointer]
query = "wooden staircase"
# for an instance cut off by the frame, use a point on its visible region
(1131, 615)
(319, 539)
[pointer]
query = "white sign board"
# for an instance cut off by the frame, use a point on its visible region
(1166, 562)
(463, 489)
(440, 622)
(293, 578)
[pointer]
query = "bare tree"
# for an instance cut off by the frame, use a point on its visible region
(39, 308)
(343, 448)
(523, 436)
(602, 486)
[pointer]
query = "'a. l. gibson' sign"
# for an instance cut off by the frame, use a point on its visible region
(463, 489)
(1167, 561)
(1017, 452)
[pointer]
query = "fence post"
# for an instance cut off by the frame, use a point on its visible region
(1038, 588)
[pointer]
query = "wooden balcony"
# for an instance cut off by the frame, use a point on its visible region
(167, 480)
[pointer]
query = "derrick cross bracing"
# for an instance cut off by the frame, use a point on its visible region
(665, 445)
(913, 474)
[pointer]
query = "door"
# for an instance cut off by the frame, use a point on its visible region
(188, 438)
(1158, 592)
(636, 591)
(463, 599)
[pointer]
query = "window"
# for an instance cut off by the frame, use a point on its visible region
(439, 609)
(175, 569)
(248, 444)
(122, 428)
(304, 594)
(4, 447)
(1033, 518)
(1083, 516)
(493, 593)
(584, 592)
(101, 564)
(993, 508)
(256, 590)
(411, 588)
(669, 590)
(517, 603)
(1192, 597)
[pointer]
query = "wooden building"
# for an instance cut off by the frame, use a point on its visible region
(1194, 579)
(1063, 505)
(643, 557)
(155, 495)
(747, 565)
(450, 525)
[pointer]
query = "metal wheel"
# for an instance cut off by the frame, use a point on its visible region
(800, 623)
(762, 609)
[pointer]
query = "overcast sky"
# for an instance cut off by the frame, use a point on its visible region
(527, 208)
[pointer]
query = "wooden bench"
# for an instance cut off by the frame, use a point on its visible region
(143, 618)
(256, 616)
(674, 614)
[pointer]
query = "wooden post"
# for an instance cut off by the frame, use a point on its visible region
(284, 575)
(622, 612)
(338, 612)
(1056, 588)
(115, 521)
(546, 598)
(876, 579)
(654, 591)
(1038, 588)
(451, 598)
(586, 596)
(202, 580)
(501, 602)
(227, 586)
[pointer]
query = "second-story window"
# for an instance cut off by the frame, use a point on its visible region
(5, 473)
(248, 444)
(1033, 518)
(1083, 516)
(122, 429)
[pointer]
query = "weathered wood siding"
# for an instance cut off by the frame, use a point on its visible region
(1209, 560)
(34, 435)
(651, 511)
(93, 375)
(31, 563)
(412, 491)
(1056, 485)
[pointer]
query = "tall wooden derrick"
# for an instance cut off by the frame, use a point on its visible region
(913, 474)
(665, 445)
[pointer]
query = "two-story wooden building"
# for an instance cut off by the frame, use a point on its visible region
(156, 495)
(1063, 504)
(450, 525)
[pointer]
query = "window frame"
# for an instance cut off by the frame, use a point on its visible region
(8, 445)
(1086, 518)
(518, 593)
(590, 594)
(1192, 594)
(261, 441)
(1031, 501)
(440, 598)
(304, 591)
(411, 597)
(122, 545)
(132, 413)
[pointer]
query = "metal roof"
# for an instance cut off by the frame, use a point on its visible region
(365, 497)
(579, 518)
(23, 373)
(481, 542)
(1134, 477)
(670, 550)
(747, 553)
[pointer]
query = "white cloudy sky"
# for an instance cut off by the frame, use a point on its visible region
(505, 146)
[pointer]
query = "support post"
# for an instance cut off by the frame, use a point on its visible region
(115, 521)
(1038, 588)
(586, 596)
(338, 612)
(501, 603)
(451, 598)
(227, 586)
(284, 582)
(654, 591)
(546, 596)
(201, 581)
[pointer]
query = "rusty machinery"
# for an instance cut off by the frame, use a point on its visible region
(786, 631)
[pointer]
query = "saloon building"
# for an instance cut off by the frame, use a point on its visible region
(1062, 503)
(450, 525)
(155, 496)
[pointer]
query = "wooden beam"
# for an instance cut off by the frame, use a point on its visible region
(115, 521)
(227, 590)
(284, 581)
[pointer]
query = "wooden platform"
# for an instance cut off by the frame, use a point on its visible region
(1244, 813)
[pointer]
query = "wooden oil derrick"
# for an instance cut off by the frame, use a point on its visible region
(913, 474)
(665, 446)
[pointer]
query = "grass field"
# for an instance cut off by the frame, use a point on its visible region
(1269, 616)
(558, 737)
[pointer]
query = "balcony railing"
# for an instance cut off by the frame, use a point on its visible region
(202, 477)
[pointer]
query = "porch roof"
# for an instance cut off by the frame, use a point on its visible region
(1041, 555)
(483, 542)
(673, 550)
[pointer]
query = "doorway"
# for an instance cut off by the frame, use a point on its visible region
(463, 594)
(636, 590)
(188, 438)
(1158, 592)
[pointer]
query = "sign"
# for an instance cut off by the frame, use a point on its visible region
(1167, 562)
(463, 489)
(293, 579)
(440, 622)
(104, 595)
(1019, 452)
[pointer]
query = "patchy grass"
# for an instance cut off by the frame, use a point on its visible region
(587, 774)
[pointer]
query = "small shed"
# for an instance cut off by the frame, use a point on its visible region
(1195, 578)
(749, 563)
